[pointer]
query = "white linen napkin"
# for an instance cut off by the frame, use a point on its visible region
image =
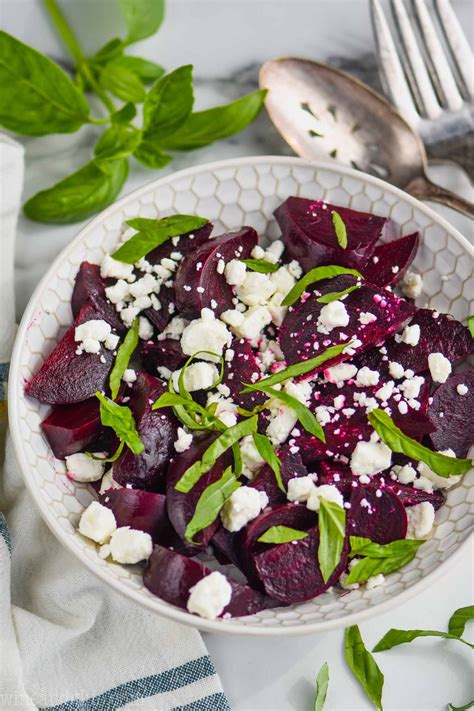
(67, 641)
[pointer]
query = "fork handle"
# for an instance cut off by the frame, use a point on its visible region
(424, 189)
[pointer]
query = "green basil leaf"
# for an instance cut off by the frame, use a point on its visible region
(336, 295)
(120, 419)
(305, 366)
(339, 229)
(322, 683)
(215, 450)
(113, 458)
(122, 359)
(469, 705)
(314, 275)
(398, 442)
(238, 463)
(122, 82)
(151, 156)
(282, 534)
(470, 325)
(36, 97)
(168, 104)
(118, 141)
(210, 503)
(204, 127)
(124, 115)
(363, 666)
(459, 618)
(110, 50)
(368, 567)
(266, 451)
(394, 638)
(145, 70)
(143, 17)
(152, 233)
(260, 265)
(332, 530)
(80, 195)
(395, 549)
(172, 399)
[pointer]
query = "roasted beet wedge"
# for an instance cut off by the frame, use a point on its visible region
(70, 428)
(198, 283)
(157, 429)
(410, 496)
(309, 235)
(162, 316)
(291, 466)
(382, 517)
(166, 353)
(66, 377)
(390, 260)
(143, 510)
(299, 335)
(90, 287)
(290, 572)
(242, 369)
(452, 413)
(170, 576)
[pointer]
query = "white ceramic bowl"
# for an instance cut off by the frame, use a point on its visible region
(233, 193)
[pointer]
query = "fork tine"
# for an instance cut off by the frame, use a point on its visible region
(393, 78)
(458, 45)
(415, 64)
(438, 65)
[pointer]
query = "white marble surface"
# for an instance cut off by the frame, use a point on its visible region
(227, 40)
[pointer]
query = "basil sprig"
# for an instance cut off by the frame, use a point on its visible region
(221, 444)
(266, 451)
(332, 529)
(314, 275)
(120, 419)
(339, 229)
(152, 233)
(363, 666)
(379, 559)
(143, 18)
(395, 637)
(210, 503)
(122, 359)
(399, 442)
(260, 265)
(470, 325)
(322, 683)
(458, 620)
(185, 409)
(336, 295)
(366, 547)
(282, 534)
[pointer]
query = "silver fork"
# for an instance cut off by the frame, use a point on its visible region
(426, 68)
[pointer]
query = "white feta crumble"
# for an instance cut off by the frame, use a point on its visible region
(295, 269)
(257, 252)
(129, 314)
(174, 329)
(129, 375)
(328, 492)
(205, 334)
(252, 461)
(440, 367)
(90, 334)
(462, 389)
(395, 369)
(410, 335)
(405, 474)
(244, 504)
(420, 520)
(370, 458)
(220, 266)
(130, 546)
(144, 286)
(340, 373)
(386, 391)
(145, 329)
(366, 317)
(235, 272)
(210, 596)
(80, 467)
(184, 441)
(197, 376)
(256, 289)
(375, 581)
(116, 270)
(232, 318)
(368, 377)
(323, 415)
(255, 319)
(411, 388)
(282, 280)
(276, 248)
(108, 482)
(412, 285)
(440, 482)
(118, 292)
(97, 523)
(299, 488)
(226, 410)
(332, 315)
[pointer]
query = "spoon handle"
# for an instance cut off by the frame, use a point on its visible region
(424, 189)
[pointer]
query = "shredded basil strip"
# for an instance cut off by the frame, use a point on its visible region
(339, 229)
(120, 419)
(470, 325)
(363, 665)
(395, 637)
(210, 503)
(332, 530)
(459, 618)
(282, 534)
(220, 445)
(314, 275)
(336, 295)
(366, 547)
(322, 683)
(124, 353)
(368, 567)
(266, 451)
(260, 265)
(112, 458)
(398, 442)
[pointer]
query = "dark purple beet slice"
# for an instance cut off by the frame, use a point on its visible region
(161, 317)
(410, 496)
(309, 235)
(290, 572)
(89, 286)
(143, 510)
(291, 466)
(170, 576)
(70, 428)
(390, 260)
(240, 370)
(338, 475)
(157, 429)
(381, 518)
(198, 283)
(166, 353)
(300, 340)
(66, 377)
(226, 547)
(453, 414)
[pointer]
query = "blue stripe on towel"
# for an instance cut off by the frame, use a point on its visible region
(169, 680)
(216, 702)
(5, 533)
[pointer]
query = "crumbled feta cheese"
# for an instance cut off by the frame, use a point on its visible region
(226, 410)
(385, 392)
(368, 377)
(411, 388)
(210, 596)
(412, 285)
(375, 581)
(420, 520)
(197, 376)
(440, 482)
(255, 289)
(97, 523)
(440, 367)
(340, 373)
(251, 459)
(395, 369)
(118, 292)
(332, 315)
(116, 270)
(144, 286)
(129, 314)
(282, 280)
(235, 272)
(130, 546)
(277, 311)
(323, 415)
(405, 474)
(220, 266)
(91, 334)
(242, 506)
(370, 458)
(255, 319)
(410, 335)
(276, 248)
(300, 488)
(232, 318)
(184, 441)
(145, 329)
(295, 269)
(205, 334)
(281, 424)
(339, 402)
(129, 375)
(366, 317)
(328, 492)
(108, 482)
(80, 467)
(462, 389)
(257, 252)
(174, 329)
(164, 372)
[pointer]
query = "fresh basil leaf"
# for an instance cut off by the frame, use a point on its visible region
(238, 463)
(168, 104)
(336, 295)
(152, 233)
(112, 458)
(120, 419)
(260, 265)
(122, 359)
(399, 442)
(266, 451)
(322, 683)
(282, 534)
(339, 229)
(118, 141)
(151, 156)
(210, 503)
(459, 618)
(143, 17)
(395, 549)
(368, 567)
(36, 97)
(254, 411)
(145, 70)
(110, 50)
(204, 127)
(80, 195)
(363, 666)
(173, 399)
(470, 325)
(215, 450)
(469, 705)
(122, 82)
(394, 638)
(304, 414)
(314, 275)
(332, 530)
(305, 366)
(124, 115)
